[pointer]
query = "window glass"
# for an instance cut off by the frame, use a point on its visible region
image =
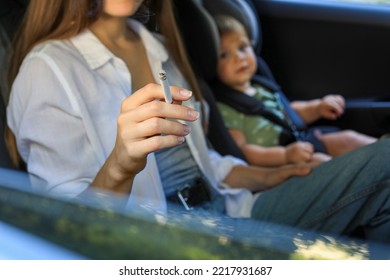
(95, 226)
(385, 2)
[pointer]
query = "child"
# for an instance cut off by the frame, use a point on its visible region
(257, 118)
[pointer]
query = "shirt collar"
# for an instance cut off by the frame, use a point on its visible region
(96, 54)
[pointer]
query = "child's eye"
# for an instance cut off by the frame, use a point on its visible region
(223, 55)
(243, 47)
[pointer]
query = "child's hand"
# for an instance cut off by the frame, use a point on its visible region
(331, 106)
(299, 152)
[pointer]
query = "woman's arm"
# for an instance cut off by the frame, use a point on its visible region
(262, 178)
(61, 146)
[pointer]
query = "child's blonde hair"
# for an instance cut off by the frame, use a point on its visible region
(228, 24)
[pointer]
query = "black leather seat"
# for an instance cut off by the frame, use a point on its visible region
(4, 43)
(11, 12)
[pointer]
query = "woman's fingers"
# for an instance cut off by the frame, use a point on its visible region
(288, 171)
(274, 176)
(144, 104)
(160, 109)
(151, 92)
(159, 142)
(146, 124)
(140, 149)
(155, 126)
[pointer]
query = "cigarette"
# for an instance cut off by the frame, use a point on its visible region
(165, 84)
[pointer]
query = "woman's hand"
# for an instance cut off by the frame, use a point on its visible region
(262, 178)
(145, 125)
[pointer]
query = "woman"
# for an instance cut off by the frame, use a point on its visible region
(86, 112)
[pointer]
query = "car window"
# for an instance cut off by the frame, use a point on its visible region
(96, 227)
(373, 2)
(386, 2)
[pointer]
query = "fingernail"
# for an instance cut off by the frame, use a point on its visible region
(180, 140)
(187, 129)
(185, 93)
(193, 114)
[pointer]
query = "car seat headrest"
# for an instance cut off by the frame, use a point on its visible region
(200, 33)
(243, 11)
(200, 36)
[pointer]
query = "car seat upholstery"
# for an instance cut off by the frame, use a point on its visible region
(4, 43)
(189, 12)
(11, 12)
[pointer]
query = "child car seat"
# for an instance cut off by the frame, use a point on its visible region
(189, 12)
(201, 38)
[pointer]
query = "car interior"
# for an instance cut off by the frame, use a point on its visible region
(366, 111)
(303, 50)
(320, 47)
(205, 37)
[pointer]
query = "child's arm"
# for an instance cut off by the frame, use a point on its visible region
(297, 152)
(329, 107)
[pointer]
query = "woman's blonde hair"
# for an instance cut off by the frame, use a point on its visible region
(62, 19)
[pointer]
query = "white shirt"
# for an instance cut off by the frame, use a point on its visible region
(63, 110)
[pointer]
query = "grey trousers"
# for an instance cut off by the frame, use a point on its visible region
(349, 195)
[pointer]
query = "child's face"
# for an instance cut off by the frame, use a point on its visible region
(237, 61)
